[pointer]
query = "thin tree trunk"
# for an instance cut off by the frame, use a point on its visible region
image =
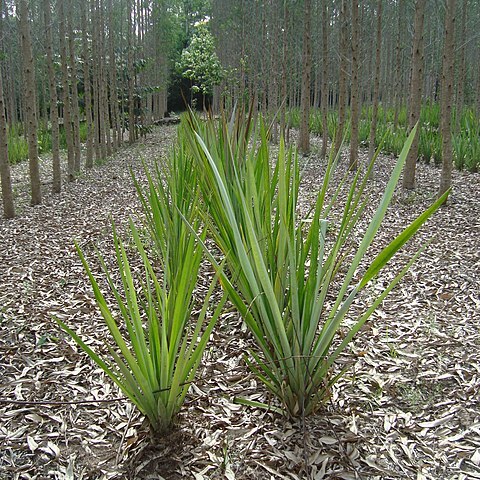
(131, 78)
(462, 72)
(478, 88)
(104, 80)
(57, 180)
(342, 80)
(416, 88)
(273, 92)
(87, 88)
(6, 180)
(447, 97)
(99, 35)
(398, 64)
(376, 84)
(284, 85)
(95, 86)
(304, 135)
(67, 120)
(325, 23)
(30, 101)
(75, 107)
(113, 80)
(5, 177)
(355, 88)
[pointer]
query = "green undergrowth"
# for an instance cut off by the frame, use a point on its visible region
(466, 141)
(18, 146)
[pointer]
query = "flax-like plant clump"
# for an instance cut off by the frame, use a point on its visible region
(288, 275)
(283, 268)
(156, 341)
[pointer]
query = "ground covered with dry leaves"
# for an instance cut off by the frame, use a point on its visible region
(408, 406)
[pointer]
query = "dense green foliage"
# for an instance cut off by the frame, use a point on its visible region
(199, 62)
(391, 138)
(157, 348)
(285, 268)
(18, 147)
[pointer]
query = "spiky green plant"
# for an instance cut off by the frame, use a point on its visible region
(283, 267)
(157, 341)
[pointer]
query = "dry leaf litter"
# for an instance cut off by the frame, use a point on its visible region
(407, 408)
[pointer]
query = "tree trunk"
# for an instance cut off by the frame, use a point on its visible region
(273, 83)
(97, 139)
(304, 135)
(99, 83)
(376, 84)
(75, 107)
(355, 88)
(30, 100)
(132, 135)
(462, 70)
(325, 23)
(87, 88)
(416, 88)
(113, 80)
(104, 80)
(398, 64)
(6, 181)
(447, 97)
(57, 180)
(67, 119)
(342, 79)
(284, 80)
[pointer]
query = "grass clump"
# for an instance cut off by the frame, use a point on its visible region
(282, 270)
(156, 340)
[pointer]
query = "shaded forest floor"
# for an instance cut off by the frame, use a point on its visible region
(408, 406)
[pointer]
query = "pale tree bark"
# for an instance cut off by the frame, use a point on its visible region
(398, 64)
(88, 91)
(284, 80)
(273, 83)
(416, 89)
(100, 145)
(75, 106)
(30, 100)
(9, 96)
(5, 177)
(447, 97)
(97, 140)
(342, 78)
(376, 84)
(263, 61)
(116, 138)
(355, 104)
(325, 23)
(478, 86)
(6, 180)
(132, 133)
(67, 112)
(273, 93)
(104, 80)
(304, 135)
(57, 179)
(462, 69)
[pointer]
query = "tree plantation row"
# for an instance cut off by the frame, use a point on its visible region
(83, 77)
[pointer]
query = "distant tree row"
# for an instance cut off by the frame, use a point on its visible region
(344, 54)
(84, 76)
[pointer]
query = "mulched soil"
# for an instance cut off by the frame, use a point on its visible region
(408, 406)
